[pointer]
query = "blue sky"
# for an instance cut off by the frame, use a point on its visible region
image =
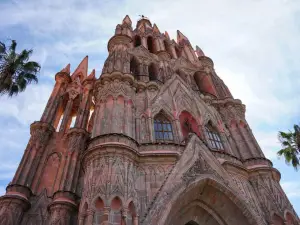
(254, 44)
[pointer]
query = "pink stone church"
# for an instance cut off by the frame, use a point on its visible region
(157, 139)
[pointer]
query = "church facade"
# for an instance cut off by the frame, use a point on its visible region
(158, 139)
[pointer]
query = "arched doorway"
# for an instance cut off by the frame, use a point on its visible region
(207, 202)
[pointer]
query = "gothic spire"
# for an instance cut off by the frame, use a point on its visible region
(155, 29)
(181, 37)
(167, 35)
(199, 51)
(81, 70)
(66, 69)
(92, 75)
(127, 20)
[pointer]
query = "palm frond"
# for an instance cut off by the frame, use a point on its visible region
(2, 48)
(12, 47)
(16, 71)
(23, 56)
(29, 77)
(32, 67)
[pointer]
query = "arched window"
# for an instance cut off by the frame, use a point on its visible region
(150, 44)
(131, 215)
(162, 128)
(277, 220)
(99, 213)
(134, 70)
(213, 138)
(152, 70)
(137, 41)
(115, 216)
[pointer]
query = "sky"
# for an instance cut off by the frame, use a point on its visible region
(255, 46)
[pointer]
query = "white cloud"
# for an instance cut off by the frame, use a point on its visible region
(291, 188)
(27, 106)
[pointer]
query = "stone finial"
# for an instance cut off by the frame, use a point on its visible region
(66, 69)
(167, 35)
(92, 75)
(181, 37)
(127, 20)
(81, 70)
(155, 29)
(199, 51)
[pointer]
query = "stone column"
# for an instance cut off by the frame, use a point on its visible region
(225, 143)
(67, 115)
(157, 45)
(144, 42)
(90, 217)
(50, 110)
(62, 209)
(136, 220)
(105, 216)
(247, 144)
(83, 110)
(13, 205)
(150, 127)
(75, 139)
(40, 135)
(234, 148)
(242, 147)
(177, 127)
(81, 219)
(173, 51)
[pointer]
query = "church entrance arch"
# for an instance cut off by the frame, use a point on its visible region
(207, 202)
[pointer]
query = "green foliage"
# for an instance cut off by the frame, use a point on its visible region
(16, 71)
(290, 143)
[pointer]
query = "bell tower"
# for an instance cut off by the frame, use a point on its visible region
(157, 139)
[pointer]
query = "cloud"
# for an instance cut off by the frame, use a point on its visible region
(291, 188)
(27, 106)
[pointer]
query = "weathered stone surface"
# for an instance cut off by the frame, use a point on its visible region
(157, 140)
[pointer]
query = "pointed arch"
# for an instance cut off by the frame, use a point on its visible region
(132, 214)
(50, 172)
(115, 216)
(163, 129)
(150, 44)
(137, 41)
(188, 124)
(290, 218)
(153, 72)
(277, 220)
(134, 67)
(210, 195)
(99, 216)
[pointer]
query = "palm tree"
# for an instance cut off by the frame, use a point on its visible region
(16, 71)
(290, 142)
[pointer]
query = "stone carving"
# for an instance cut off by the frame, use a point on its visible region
(114, 154)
